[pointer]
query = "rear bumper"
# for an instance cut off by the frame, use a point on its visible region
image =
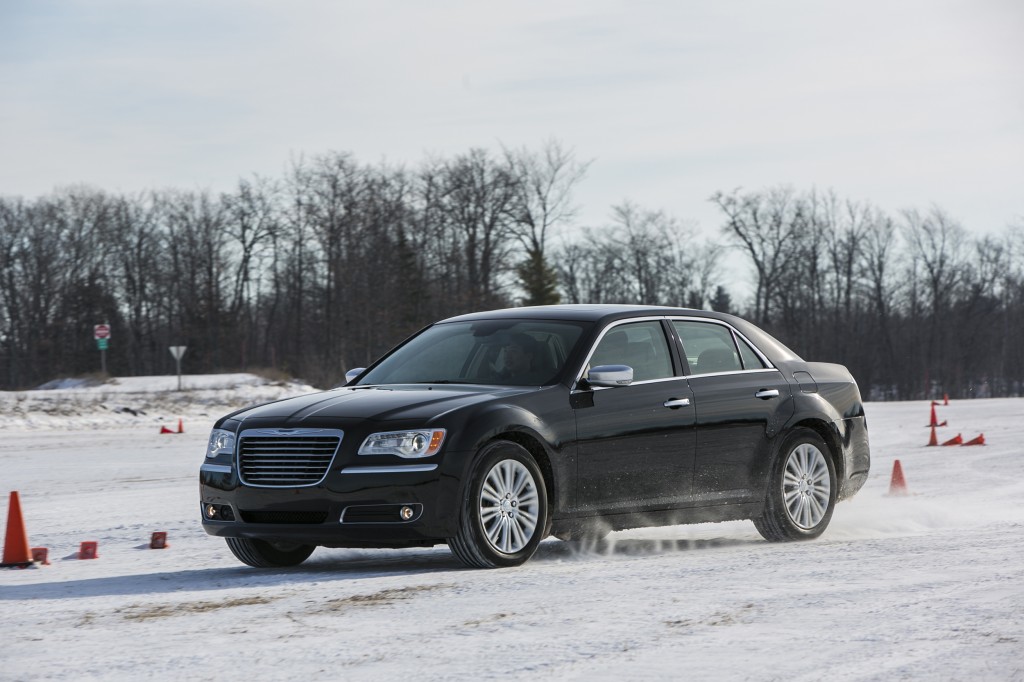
(856, 456)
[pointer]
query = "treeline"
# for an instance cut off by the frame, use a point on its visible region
(323, 269)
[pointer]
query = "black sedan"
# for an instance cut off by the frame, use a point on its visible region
(493, 430)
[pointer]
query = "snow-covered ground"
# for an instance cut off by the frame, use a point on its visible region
(929, 586)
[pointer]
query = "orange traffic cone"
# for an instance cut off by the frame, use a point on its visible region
(934, 421)
(898, 485)
(933, 440)
(181, 427)
(164, 429)
(945, 399)
(16, 549)
(980, 440)
(955, 440)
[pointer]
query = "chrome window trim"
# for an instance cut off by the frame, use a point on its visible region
(283, 432)
(396, 469)
(707, 320)
(735, 371)
(597, 342)
(216, 468)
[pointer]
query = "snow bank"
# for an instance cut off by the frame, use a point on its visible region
(69, 404)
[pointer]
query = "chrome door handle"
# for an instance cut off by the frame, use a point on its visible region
(677, 402)
(766, 393)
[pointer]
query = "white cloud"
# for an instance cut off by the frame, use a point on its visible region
(899, 103)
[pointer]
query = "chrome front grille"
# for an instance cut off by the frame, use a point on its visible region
(286, 458)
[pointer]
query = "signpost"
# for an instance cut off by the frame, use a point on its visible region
(177, 352)
(101, 332)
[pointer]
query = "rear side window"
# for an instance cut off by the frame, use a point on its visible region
(708, 347)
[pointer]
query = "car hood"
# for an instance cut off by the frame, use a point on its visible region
(378, 403)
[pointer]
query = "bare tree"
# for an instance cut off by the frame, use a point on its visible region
(542, 203)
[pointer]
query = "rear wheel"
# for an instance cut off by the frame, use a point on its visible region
(801, 490)
(269, 554)
(504, 510)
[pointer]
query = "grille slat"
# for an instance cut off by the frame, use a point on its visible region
(301, 458)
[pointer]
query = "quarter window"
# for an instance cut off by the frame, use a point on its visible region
(751, 360)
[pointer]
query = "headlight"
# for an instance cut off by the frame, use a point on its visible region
(221, 443)
(404, 443)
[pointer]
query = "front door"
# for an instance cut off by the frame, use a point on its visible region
(636, 443)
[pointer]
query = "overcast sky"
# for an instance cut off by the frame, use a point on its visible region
(903, 104)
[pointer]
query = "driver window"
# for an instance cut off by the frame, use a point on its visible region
(641, 345)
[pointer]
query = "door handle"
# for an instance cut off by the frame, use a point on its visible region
(766, 393)
(677, 402)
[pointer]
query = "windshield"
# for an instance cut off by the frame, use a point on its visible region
(502, 352)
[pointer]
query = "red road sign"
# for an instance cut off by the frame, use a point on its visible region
(101, 331)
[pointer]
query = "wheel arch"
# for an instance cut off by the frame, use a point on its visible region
(829, 434)
(533, 445)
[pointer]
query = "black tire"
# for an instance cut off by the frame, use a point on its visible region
(266, 554)
(525, 510)
(797, 506)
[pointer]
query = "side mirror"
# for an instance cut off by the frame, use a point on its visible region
(351, 375)
(610, 375)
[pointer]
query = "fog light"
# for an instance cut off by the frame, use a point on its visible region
(211, 511)
(406, 513)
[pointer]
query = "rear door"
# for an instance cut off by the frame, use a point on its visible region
(740, 403)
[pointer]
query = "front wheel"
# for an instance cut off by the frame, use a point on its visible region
(801, 490)
(266, 554)
(504, 510)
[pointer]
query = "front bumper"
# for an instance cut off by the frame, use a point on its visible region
(341, 511)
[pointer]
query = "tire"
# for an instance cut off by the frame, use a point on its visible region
(503, 515)
(802, 490)
(268, 554)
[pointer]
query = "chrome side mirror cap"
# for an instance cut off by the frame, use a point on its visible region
(351, 375)
(610, 376)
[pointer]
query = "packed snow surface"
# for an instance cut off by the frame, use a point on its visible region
(928, 586)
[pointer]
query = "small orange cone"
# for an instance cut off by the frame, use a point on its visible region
(934, 421)
(158, 540)
(16, 549)
(955, 440)
(39, 555)
(980, 440)
(181, 427)
(945, 399)
(933, 440)
(898, 485)
(164, 429)
(88, 549)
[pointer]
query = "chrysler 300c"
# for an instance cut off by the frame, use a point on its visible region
(491, 431)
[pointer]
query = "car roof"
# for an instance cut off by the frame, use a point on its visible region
(603, 313)
(582, 312)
